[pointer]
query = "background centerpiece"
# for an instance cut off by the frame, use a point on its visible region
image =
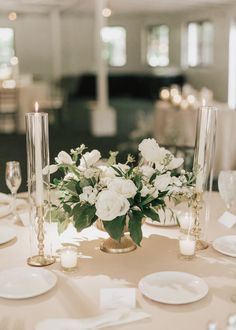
(117, 194)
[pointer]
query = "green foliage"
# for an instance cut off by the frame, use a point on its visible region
(83, 216)
(115, 228)
(135, 224)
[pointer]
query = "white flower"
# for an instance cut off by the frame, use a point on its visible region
(89, 195)
(70, 176)
(124, 187)
(50, 169)
(176, 181)
(106, 175)
(90, 172)
(144, 191)
(110, 205)
(64, 158)
(89, 159)
(123, 167)
(175, 163)
(162, 181)
(147, 171)
(149, 150)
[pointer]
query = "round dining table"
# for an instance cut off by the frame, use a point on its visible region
(77, 295)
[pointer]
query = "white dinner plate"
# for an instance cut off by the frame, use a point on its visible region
(25, 282)
(173, 287)
(226, 245)
(6, 234)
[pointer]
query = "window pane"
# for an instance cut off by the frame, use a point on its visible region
(207, 43)
(158, 46)
(6, 45)
(193, 42)
(199, 43)
(115, 45)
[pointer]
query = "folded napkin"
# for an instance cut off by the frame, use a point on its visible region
(5, 204)
(115, 317)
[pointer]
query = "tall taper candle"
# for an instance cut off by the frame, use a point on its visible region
(201, 148)
(38, 158)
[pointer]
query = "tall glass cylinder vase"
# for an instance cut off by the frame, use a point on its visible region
(203, 167)
(38, 187)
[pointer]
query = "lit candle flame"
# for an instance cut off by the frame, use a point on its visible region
(36, 106)
(203, 102)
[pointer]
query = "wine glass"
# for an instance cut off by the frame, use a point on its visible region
(227, 187)
(13, 182)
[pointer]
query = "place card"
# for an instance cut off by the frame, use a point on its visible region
(227, 219)
(117, 298)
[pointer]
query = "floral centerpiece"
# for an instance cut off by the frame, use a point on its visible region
(117, 194)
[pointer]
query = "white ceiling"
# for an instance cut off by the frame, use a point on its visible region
(118, 6)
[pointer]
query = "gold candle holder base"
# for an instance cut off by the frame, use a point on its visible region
(40, 261)
(112, 246)
(201, 245)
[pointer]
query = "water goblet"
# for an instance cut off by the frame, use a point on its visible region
(227, 187)
(13, 182)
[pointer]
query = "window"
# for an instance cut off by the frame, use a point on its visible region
(199, 43)
(115, 45)
(158, 45)
(6, 45)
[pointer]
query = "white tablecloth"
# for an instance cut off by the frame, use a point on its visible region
(77, 295)
(178, 127)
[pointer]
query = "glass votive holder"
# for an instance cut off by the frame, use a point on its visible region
(187, 246)
(186, 221)
(68, 258)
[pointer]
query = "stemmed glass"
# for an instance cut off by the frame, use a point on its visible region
(227, 187)
(13, 181)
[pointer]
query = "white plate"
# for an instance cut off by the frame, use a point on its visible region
(226, 245)
(166, 219)
(6, 234)
(173, 287)
(25, 282)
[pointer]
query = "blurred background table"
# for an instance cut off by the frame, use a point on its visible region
(177, 127)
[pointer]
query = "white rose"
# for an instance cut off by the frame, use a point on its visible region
(147, 171)
(175, 163)
(149, 149)
(64, 158)
(110, 205)
(124, 187)
(89, 159)
(162, 181)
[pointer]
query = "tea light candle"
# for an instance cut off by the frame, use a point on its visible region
(69, 258)
(187, 245)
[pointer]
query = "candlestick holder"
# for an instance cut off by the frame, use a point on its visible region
(203, 168)
(38, 189)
